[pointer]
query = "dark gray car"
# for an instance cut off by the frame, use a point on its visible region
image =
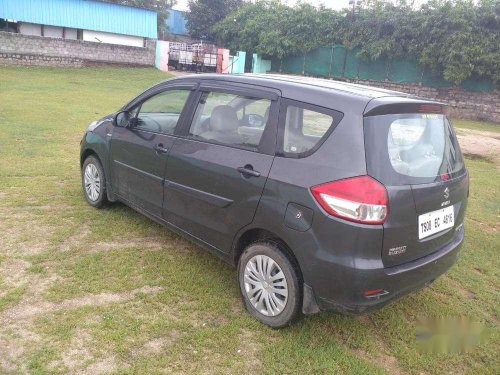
(325, 195)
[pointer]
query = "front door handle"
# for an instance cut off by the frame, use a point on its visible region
(160, 149)
(248, 171)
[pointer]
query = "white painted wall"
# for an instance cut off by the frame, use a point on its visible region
(124, 40)
(70, 34)
(52, 31)
(30, 29)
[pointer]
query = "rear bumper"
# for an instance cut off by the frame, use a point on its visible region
(397, 281)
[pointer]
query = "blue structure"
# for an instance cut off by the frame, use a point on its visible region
(176, 22)
(259, 65)
(84, 15)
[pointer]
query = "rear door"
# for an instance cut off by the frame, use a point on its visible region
(217, 168)
(416, 155)
(139, 149)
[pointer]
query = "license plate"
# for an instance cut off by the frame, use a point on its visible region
(435, 221)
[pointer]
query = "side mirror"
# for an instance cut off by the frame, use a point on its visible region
(255, 120)
(122, 119)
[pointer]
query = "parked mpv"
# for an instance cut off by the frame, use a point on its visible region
(325, 195)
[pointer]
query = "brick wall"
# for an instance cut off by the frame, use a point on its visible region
(463, 104)
(18, 49)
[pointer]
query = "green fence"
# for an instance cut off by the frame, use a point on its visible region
(339, 62)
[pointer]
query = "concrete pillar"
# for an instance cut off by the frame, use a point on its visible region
(162, 50)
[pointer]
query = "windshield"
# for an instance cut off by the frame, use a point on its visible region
(412, 148)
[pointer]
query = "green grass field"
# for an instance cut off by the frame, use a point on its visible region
(102, 291)
(477, 125)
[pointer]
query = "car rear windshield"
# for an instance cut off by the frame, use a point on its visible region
(411, 148)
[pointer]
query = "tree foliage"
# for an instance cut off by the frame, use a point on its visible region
(456, 39)
(204, 14)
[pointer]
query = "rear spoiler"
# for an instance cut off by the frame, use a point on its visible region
(397, 105)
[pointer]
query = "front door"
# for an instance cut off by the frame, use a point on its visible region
(139, 150)
(217, 170)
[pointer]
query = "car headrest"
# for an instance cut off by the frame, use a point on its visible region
(223, 119)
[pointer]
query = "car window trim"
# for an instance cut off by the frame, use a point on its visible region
(267, 144)
(239, 89)
(192, 86)
(285, 103)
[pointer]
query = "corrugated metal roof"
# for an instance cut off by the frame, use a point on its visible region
(83, 14)
(176, 22)
(128, 5)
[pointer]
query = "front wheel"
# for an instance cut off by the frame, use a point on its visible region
(269, 284)
(94, 182)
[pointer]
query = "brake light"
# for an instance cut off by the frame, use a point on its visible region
(445, 177)
(360, 199)
(430, 108)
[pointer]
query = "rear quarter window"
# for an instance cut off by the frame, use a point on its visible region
(304, 127)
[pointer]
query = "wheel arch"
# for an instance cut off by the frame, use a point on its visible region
(89, 151)
(86, 153)
(252, 235)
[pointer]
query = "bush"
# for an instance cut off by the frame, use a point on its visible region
(456, 39)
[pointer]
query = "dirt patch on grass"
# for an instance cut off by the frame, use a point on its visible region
(78, 355)
(101, 366)
(17, 335)
(15, 339)
(480, 144)
(249, 350)
(157, 345)
(79, 359)
(464, 292)
(380, 357)
(383, 360)
(144, 242)
(487, 227)
(13, 272)
(26, 237)
(75, 239)
(478, 271)
(30, 309)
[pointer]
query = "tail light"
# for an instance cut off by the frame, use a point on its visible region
(360, 199)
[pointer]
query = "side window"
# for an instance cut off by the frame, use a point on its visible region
(161, 112)
(305, 126)
(230, 119)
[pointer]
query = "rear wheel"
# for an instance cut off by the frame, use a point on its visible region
(269, 284)
(94, 182)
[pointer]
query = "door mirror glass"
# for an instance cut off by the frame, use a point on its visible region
(122, 119)
(254, 120)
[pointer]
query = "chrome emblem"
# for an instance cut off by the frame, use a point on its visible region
(397, 250)
(446, 193)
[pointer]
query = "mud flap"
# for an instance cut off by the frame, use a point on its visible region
(309, 304)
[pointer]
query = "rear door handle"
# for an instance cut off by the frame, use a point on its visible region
(248, 171)
(160, 149)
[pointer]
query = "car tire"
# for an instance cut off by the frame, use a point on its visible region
(94, 182)
(274, 300)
